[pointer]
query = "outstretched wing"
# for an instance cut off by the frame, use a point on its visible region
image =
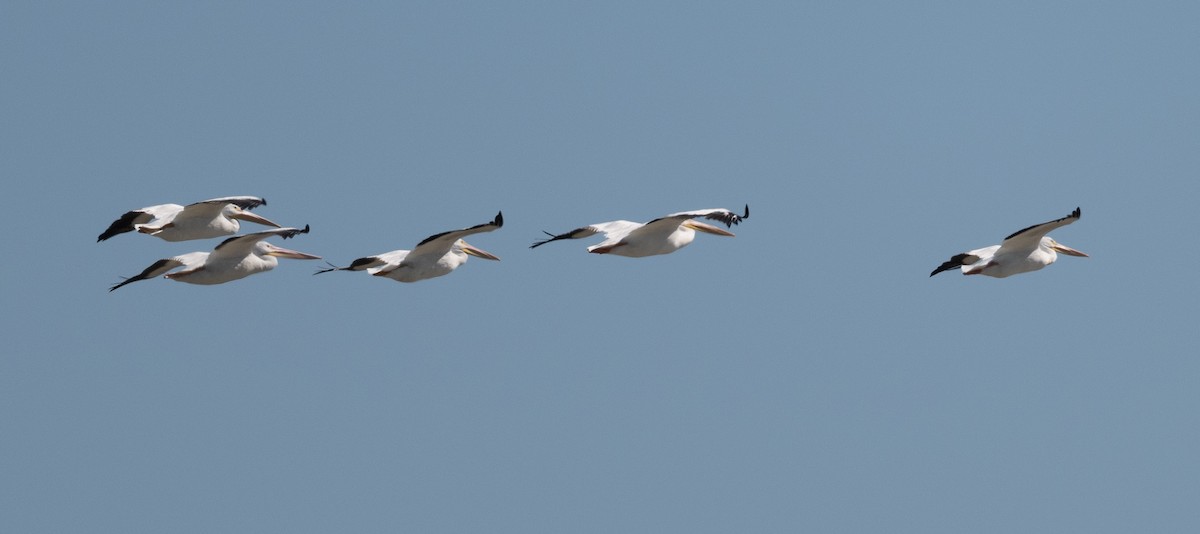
(128, 222)
(370, 264)
(1027, 239)
(438, 245)
(243, 245)
(193, 261)
(211, 208)
(717, 214)
(244, 202)
(662, 227)
(966, 258)
(124, 224)
(613, 231)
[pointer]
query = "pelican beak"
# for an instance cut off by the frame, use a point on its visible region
(288, 253)
(706, 228)
(1063, 249)
(478, 253)
(247, 215)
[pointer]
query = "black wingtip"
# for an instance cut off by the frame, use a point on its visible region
(958, 260)
(747, 214)
(124, 223)
(499, 220)
(110, 234)
(332, 267)
(289, 234)
(537, 244)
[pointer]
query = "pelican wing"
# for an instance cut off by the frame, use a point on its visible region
(211, 208)
(663, 226)
(966, 258)
(162, 213)
(716, 214)
(613, 231)
(244, 202)
(1027, 239)
(125, 224)
(243, 245)
(438, 245)
(362, 264)
(193, 261)
(371, 264)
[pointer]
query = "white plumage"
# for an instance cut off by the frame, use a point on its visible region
(436, 255)
(1026, 250)
(235, 258)
(200, 220)
(663, 235)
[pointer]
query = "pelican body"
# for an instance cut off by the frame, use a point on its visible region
(663, 235)
(235, 258)
(1024, 251)
(436, 255)
(201, 220)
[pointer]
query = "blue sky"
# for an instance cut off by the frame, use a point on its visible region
(806, 375)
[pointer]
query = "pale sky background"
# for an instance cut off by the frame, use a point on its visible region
(804, 376)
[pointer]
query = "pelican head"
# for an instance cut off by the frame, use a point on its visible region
(267, 249)
(478, 253)
(706, 228)
(1061, 248)
(233, 211)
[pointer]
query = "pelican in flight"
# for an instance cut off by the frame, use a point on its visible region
(437, 255)
(201, 220)
(663, 235)
(1024, 251)
(235, 258)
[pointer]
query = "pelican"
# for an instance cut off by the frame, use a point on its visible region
(663, 235)
(1024, 251)
(235, 258)
(437, 255)
(201, 220)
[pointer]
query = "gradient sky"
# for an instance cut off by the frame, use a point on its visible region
(804, 376)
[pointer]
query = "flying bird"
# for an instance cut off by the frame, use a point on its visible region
(1024, 251)
(233, 259)
(201, 220)
(663, 235)
(437, 255)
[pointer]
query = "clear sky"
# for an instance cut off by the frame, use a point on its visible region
(804, 376)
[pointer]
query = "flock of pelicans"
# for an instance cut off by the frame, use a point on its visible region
(240, 256)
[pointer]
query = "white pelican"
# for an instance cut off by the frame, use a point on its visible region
(235, 258)
(1024, 251)
(436, 255)
(663, 235)
(208, 218)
